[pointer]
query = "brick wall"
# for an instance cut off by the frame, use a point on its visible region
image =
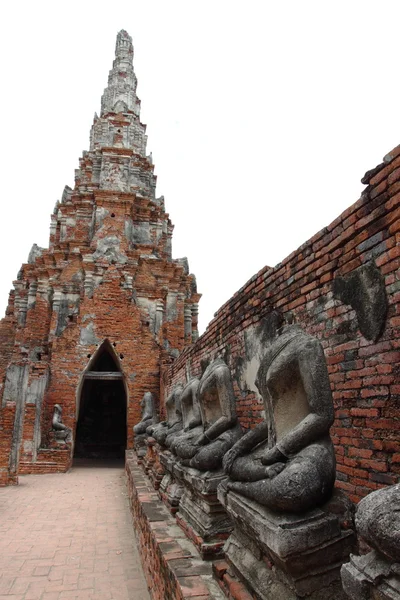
(364, 374)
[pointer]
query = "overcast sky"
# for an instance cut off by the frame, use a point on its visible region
(262, 118)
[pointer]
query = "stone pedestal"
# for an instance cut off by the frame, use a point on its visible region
(139, 444)
(152, 464)
(371, 577)
(150, 457)
(286, 556)
(59, 439)
(201, 515)
(170, 490)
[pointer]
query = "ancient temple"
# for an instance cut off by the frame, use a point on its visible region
(92, 318)
(280, 419)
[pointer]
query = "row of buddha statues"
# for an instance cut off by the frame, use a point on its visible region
(275, 482)
(287, 461)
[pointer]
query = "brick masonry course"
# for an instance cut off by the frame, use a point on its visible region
(172, 565)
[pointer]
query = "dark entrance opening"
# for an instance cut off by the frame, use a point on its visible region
(101, 427)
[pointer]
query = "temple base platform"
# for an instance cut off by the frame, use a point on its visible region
(285, 556)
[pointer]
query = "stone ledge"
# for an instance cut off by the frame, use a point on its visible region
(172, 566)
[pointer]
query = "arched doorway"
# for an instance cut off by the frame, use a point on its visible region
(101, 426)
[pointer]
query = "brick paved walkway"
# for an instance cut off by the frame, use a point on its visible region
(69, 536)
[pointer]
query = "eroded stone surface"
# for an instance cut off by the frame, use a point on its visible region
(62, 432)
(148, 413)
(377, 574)
(165, 432)
(378, 521)
(149, 417)
(364, 290)
(218, 414)
(191, 418)
(287, 462)
(274, 554)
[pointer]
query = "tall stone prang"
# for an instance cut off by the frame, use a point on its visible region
(92, 318)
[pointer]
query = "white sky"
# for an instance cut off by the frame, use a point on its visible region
(262, 117)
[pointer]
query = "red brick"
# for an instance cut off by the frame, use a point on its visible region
(360, 452)
(365, 412)
(375, 465)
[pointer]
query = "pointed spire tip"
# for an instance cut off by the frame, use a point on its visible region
(123, 44)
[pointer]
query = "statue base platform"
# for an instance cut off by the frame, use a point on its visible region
(150, 457)
(140, 447)
(201, 515)
(371, 577)
(151, 462)
(286, 556)
(170, 490)
(167, 460)
(60, 438)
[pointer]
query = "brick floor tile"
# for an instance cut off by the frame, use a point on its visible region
(71, 577)
(66, 536)
(41, 571)
(21, 584)
(5, 584)
(33, 593)
(86, 582)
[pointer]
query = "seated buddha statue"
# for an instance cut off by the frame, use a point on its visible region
(287, 461)
(218, 414)
(165, 431)
(62, 432)
(191, 417)
(148, 414)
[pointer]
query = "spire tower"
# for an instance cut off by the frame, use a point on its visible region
(119, 124)
(120, 94)
(106, 292)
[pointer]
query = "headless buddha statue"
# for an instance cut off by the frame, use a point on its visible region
(218, 414)
(148, 414)
(62, 432)
(191, 416)
(165, 431)
(287, 462)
